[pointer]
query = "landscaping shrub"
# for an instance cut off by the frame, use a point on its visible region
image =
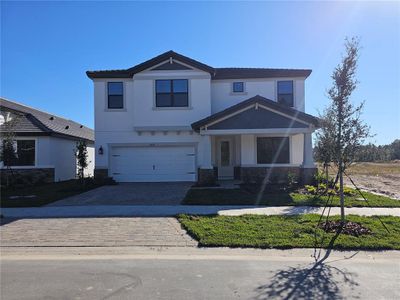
(349, 191)
(311, 189)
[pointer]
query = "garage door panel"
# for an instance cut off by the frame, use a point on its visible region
(146, 164)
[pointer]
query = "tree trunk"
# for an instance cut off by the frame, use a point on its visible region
(326, 165)
(342, 216)
(340, 152)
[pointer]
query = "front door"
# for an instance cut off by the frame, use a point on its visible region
(225, 158)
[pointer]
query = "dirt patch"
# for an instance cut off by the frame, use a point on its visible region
(378, 178)
(387, 185)
(351, 228)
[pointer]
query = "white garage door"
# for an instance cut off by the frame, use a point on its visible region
(153, 164)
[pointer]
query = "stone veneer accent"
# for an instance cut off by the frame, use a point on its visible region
(28, 176)
(206, 177)
(308, 175)
(237, 172)
(100, 173)
(216, 172)
(276, 174)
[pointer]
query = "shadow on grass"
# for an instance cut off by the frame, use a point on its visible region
(316, 281)
(297, 210)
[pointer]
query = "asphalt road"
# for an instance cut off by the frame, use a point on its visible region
(204, 277)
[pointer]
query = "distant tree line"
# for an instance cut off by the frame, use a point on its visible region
(371, 152)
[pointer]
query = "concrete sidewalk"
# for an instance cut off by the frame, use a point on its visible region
(172, 210)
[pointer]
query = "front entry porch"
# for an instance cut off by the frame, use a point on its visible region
(262, 157)
(257, 141)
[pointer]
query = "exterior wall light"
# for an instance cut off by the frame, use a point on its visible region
(101, 151)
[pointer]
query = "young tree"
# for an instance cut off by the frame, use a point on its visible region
(81, 155)
(8, 153)
(342, 130)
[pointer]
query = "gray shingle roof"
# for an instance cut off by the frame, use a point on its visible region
(216, 73)
(238, 73)
(33, 121)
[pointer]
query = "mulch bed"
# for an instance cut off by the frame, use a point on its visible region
(350, 228)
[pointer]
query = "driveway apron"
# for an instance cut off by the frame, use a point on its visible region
(94, 232)
(138, 193)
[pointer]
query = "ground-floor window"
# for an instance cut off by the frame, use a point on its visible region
(22, 153)
(272, 150)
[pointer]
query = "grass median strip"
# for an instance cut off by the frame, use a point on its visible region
(43, 194)
(243, 197)
(288, 232)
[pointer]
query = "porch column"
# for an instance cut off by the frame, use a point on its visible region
(205, 176)
(205, 152)
(309, 169)
(308, 160)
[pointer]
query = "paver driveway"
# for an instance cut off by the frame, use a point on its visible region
(94, 232)
(138, 193)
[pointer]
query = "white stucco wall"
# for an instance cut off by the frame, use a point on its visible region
(118, 126)
(222, 96)
(63, 158)
(58, 153)
(139, 102)
(62, 154)
(145, 112)
(205, 98)
(43, 151)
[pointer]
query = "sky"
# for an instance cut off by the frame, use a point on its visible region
(46, 48)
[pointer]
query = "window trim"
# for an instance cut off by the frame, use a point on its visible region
(272, 164)
(106, 108)
(238, 92)
(293, 91)
(189, 104)
(232, 93)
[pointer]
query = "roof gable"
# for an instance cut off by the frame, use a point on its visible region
(257, 118)
(128, 73)
(170, 65)
(257, 112)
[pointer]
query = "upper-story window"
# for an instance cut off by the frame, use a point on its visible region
(238, 87)
(172, 93)
(115, 92)
(285, 92)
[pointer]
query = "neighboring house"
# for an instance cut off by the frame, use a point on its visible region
(172, 118)
(44, 143)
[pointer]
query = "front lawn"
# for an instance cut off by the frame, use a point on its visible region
(244, 197)
(288, 232)
(45, 193)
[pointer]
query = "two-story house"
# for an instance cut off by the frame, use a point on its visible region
(172, 118)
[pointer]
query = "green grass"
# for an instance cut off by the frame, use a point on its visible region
(46, 193)
(243, 197)
(287, 232)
